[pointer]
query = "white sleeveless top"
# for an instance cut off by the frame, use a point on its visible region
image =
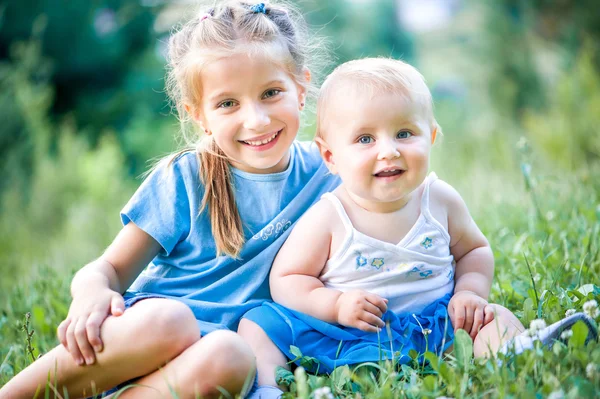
(411, 274)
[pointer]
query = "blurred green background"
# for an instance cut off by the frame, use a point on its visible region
(516, 87)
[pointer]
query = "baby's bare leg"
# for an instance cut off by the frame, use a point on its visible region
(268, 356)
(144, 338)
(493, 335)
(220, 359)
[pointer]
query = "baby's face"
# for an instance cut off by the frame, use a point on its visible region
(379, 146)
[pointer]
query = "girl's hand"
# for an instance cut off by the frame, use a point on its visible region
(361, 309)
(470, 312)
(79, 333)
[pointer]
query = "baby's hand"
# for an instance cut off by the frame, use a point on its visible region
(79, 333)
(470, 312)
(361, 309)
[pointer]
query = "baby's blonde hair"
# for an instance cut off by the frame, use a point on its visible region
(375, 75)
(230, 27)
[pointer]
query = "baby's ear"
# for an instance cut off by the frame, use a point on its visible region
(326, 154)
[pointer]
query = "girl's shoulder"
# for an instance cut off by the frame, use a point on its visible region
(307, 153)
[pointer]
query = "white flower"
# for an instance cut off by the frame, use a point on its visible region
(322, 393)
(560, 394)
(537, 325)
(570, 312)
(537, 277)
(591, 371)
(566, 334)
(426, 331)
(590, 308)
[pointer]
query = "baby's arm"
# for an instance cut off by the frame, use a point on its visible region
(468, 308)
(96, 290)
(295, 275)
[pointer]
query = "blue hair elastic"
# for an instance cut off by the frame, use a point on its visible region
(259, 8)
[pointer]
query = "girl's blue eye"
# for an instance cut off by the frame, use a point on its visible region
(365, 140)
(226, 104)
(271, 93)
(404, 134)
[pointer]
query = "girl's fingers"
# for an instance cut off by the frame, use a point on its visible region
(477, 322)
(117, 305)
(72, 343)
(377, 301)
(93, 330)
(61, 332)
(82, 341)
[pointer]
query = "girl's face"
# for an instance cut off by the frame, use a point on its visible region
(379, 145)
(251, 107)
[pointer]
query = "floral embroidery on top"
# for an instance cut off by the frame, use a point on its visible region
(377, 262)
(427, 243)
(274, 229)
(426, 273)
(360, 260)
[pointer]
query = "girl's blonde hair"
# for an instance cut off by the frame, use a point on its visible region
(376, 75)
(274, 31)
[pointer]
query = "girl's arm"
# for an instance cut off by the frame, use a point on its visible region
(120, 264)
(97, 291)
(295, 275)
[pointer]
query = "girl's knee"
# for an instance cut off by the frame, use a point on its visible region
(167, 323)
(232, 359)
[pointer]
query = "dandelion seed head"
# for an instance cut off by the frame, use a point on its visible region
(566, 334)
(322, 393)
(591, 371)
(426, 331)
(536, 325)
(560, 394)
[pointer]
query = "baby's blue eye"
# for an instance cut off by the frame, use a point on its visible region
(365, 140)
(404, 134)
(226, 104)
(271, 93)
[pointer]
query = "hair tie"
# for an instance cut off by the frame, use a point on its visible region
(202, 18)
(259, 8)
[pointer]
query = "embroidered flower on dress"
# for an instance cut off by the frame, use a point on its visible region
(360, 261)
(377, 262)
(427, 243)
(426, 273)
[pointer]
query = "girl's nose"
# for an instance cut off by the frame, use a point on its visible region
(388, 150)
(256, 117)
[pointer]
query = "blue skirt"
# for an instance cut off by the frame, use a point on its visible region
(334, 345)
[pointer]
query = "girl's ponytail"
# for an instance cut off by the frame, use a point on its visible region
(225, 220)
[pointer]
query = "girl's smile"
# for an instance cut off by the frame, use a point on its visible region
(251, 107)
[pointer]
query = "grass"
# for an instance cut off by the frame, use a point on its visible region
(547, 250)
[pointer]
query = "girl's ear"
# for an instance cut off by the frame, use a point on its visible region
(196, 115)
(434, 134)
(306, 76)
(326, 154)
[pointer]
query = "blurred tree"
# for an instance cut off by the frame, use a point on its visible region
(102, 55)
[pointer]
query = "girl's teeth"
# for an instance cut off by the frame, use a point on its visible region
(262, 142)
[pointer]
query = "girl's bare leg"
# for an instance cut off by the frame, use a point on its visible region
(144, 338)
(220, 359)
(268, 356)
(493, 335)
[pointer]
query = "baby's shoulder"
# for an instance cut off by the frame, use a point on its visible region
(443, 195)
